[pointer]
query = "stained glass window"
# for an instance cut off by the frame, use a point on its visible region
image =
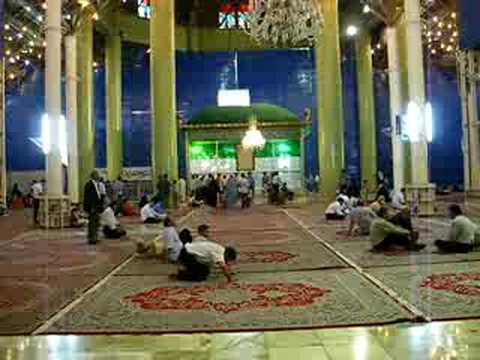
(233, 15)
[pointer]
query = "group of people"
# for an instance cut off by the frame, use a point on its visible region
(389, 225)
(276, 190)
(195, 257)
(224, 190)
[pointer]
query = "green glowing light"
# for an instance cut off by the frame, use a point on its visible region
(283, 148)
(196, 150)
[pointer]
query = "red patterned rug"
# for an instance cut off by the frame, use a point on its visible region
(442, 291)
(152, 304)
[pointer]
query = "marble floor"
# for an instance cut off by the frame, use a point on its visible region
(440, 341)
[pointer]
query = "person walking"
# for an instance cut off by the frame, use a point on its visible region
(37, 192)
(93, 206)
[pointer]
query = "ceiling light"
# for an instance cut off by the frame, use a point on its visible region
(366, 9)
(352, 30)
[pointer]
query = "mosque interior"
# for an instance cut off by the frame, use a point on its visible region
(275, 123)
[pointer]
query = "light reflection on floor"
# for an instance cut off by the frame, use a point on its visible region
(439, 341)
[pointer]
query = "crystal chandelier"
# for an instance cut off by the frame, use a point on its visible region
(285, 22)
(253, 139)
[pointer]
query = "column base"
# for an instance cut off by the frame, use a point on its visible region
(473, 194)
(54, 212)
(421, 196)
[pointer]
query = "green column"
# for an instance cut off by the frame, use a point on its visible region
(366, 107)
(162, 73)
(86, 124)
(329, 94)
(113, 86)
(403, 49)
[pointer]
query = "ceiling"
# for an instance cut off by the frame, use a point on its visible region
(25, 22)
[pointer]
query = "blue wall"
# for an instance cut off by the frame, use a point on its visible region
(283, 77)
(445, 152)
(383, 129)
(350, 111)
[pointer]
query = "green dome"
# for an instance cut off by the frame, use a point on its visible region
(236, 114)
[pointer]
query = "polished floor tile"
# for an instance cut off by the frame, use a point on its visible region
(434, 341)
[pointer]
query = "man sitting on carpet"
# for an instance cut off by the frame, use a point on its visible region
(153, 213)
(398, 199)
(336, 210)
(198, 258)
(168, 243)
(111, 226)
(361, 219)
(462, 233)
(384, 235)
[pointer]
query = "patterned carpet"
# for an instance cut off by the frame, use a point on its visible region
(26, 302)
(442, 291)
(152, 304)
(284, 278)
(253, 259)
(43, 253)
(359, 252)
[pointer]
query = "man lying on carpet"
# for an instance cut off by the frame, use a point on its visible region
(361, 219)
(153, 212)
(336, 210)
(462, 233)
(198, 258)
(384, 235)
(168, 243)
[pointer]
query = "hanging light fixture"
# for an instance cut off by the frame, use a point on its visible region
(285, 22)
(253, 139)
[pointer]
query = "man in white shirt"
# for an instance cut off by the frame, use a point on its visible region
(150, 216)
(462, 233)
(37, 191)
(244, 191)
(361, 218)
(111, 226)
(182, 190)
(336, 210)
(398, 199)
(198, 258)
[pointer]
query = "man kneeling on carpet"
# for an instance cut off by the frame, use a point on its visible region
(111, 226)
(361, 218)
(199, 257)
(384, 235)
(462, 233)
(168, 243)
